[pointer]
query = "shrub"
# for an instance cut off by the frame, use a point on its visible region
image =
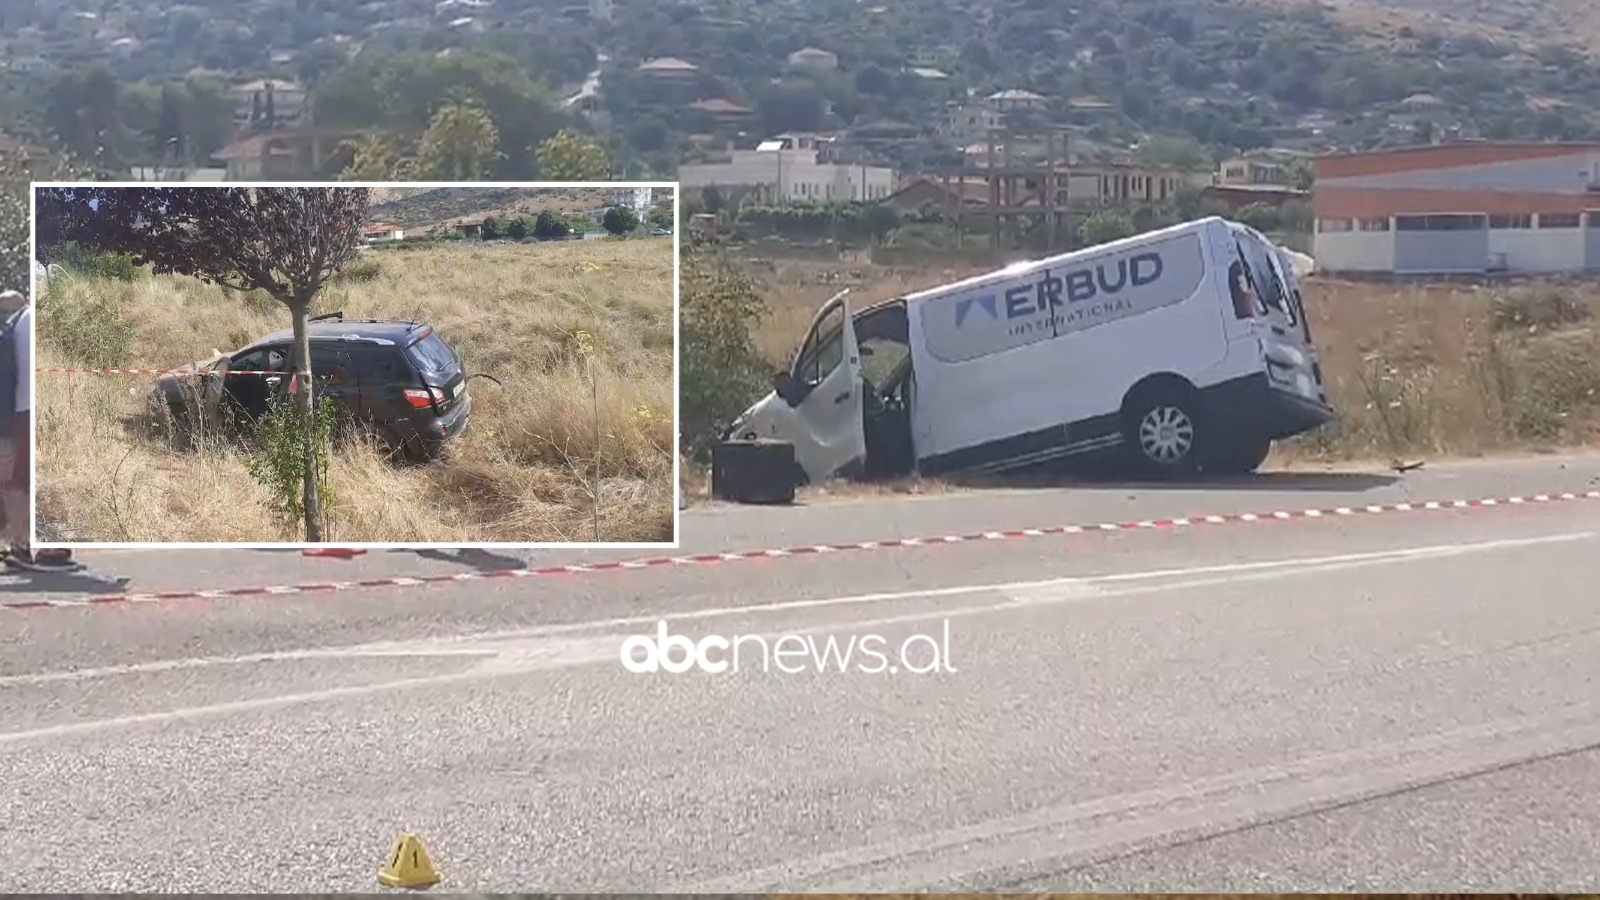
(278, 461)
(364, 269)
(1544, 308)
(86, 319)
(94, 264)
(720, 371)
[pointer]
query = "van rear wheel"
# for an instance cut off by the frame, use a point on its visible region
(1238, 457)
(1162, 429)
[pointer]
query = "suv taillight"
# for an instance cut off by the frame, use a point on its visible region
(422, 398)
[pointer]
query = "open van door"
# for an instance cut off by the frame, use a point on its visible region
(823, 389)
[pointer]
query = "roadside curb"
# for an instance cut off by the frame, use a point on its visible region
(819, 549)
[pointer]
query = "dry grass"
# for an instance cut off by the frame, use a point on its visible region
(522, 472)
(1431, 370)
(421, 207)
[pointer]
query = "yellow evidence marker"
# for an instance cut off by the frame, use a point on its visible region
(409, 865)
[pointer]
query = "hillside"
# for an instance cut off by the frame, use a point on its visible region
(1526, 23)
(423, 207)
(1227, 74)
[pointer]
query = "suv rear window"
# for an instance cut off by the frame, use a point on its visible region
(432, 354)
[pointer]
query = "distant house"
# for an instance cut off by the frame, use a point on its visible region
(472, 228)
(287, 153)
(268, 103)
(813, 59)
(721, 110)
(1017, 101)
(380, 231)
(1234, 197)
(1247, 172)
(669, 68)
(936, 194)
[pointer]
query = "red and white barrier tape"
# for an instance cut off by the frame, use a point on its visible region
(208, 373)
(743, 555)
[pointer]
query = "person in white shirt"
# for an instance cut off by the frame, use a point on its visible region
(20, 553)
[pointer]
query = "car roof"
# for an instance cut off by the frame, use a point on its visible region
(397, 333)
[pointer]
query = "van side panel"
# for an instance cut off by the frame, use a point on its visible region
(1036, 364)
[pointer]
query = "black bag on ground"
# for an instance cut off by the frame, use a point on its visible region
(753, 471)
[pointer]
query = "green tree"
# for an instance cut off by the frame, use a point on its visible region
(1104, 227)
(207, 115)
(720, 370)
(793, 106)
(550, 225)
(879, 221)
(660, 215)
(373, 157)
(517, 228)
(491, 229)
(567, 156)
(1301, 175)
(461, 144)
(620, 220)
(401, 92)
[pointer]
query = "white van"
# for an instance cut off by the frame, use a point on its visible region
(1181, 349)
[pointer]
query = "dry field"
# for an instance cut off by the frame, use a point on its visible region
(524, 470)
(1415, 371)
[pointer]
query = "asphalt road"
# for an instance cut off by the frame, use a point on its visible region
(1404, 701)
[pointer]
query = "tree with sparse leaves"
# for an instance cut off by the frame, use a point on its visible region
(287, 242)
(567, 156)
(620, 220)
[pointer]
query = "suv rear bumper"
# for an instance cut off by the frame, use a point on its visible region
(432, 432)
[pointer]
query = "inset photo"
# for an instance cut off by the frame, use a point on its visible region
(355, 364)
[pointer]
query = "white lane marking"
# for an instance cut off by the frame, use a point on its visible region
(440, 645)
(522, 661)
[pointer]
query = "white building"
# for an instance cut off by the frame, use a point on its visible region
(1466, 208)
(783, 174)
(637, 199)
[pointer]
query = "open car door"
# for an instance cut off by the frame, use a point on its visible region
(824, 389)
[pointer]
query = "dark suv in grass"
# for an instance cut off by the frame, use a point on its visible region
(398, 378)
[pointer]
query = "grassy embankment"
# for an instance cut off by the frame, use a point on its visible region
(524, 471)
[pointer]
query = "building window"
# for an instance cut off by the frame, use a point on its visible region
(1374, 224)
(1506, 222)
(1560, 220)
(1327, 226)
(1443, 222)
(1594, 219)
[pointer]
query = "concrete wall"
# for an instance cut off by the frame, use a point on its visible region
(1441, 252)
(792, 176)
(1539, 249)
(1354, 251)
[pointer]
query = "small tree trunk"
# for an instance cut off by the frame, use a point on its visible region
(311, 499)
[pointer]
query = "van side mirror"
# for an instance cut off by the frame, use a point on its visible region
(784, 385)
